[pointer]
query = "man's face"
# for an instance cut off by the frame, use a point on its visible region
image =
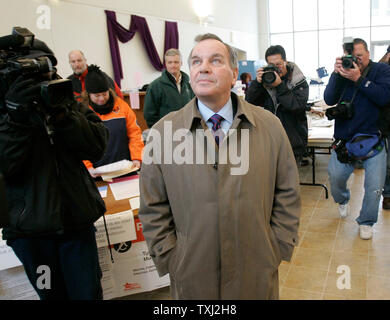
(173, 64)
(100, 98)
(362, 55)
(211, 75)
(278, 61)
(77, 62)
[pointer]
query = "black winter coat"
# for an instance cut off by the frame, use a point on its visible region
(49, 190)
(292, 95)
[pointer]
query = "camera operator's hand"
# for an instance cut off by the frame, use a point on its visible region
(352, 74)
(338, 65)
(19, 97)
(259, 75)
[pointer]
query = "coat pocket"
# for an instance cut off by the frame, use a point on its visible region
(275, 245)
(177, 256)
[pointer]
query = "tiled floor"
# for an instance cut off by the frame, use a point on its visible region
(329, 244)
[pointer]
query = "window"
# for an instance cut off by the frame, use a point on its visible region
(312, 31)
(330, 14)
(305, 15)
(286, 40)
(356, 13)
(380, 12)
(307, 60)
(280, 16)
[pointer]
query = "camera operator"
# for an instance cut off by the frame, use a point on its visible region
(283, 90)
(360, 88)
(52, 200)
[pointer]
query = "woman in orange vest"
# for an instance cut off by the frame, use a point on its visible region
(125, 136)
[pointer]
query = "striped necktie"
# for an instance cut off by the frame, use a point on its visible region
(216, 120)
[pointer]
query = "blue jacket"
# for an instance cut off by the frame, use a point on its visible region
(373, 92)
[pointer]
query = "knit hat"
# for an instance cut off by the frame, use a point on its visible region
(95, 80)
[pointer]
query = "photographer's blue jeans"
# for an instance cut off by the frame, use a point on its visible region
(374, 179)
(386, 187)
(72, 260)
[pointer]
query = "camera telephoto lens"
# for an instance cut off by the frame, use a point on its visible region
(269, 77)
(347, 62)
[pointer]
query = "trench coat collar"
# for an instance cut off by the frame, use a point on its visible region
(192, 115)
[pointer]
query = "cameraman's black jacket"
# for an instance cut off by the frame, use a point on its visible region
(49, 189)
(290, 105)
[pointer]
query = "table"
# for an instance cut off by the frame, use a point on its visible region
(320, 138)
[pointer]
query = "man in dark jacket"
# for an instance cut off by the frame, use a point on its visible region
(366, 88)
(170, 92)
(286, 97)
(52, 200)
(78, 63)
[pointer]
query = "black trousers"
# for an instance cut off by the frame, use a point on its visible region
(62, 267)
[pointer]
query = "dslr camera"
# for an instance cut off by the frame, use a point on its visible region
(343, 111)
(269, 76)
(20, 55)
(348, 60)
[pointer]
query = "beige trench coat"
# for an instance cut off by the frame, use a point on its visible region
(222, 236)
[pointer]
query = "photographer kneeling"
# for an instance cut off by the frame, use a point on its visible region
(359, 88)
(52, 200)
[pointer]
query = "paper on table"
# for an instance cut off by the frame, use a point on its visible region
(120, 227)
(115, 169)
(323, 122)
(321, 133)
(125, 189)
(134, 203)
(103, 191)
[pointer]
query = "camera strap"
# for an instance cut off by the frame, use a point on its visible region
(363, 75)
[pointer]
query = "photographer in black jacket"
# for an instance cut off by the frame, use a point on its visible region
(283, 91)
(52, 200)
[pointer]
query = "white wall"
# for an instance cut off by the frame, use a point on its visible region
(81, 24)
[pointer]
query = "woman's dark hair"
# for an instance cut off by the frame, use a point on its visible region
(244, 76)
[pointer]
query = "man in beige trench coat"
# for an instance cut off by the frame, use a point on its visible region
(220, 233)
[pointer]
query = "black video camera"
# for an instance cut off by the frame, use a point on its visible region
(269, 76)
(348, 60)
(22, 55)
(343, 111)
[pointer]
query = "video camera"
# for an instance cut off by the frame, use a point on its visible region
(348, 60)
(21, 54)
(269, 76)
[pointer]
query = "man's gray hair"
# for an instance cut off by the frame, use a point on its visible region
(172, 52)
(76, 50)
(232, 52)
